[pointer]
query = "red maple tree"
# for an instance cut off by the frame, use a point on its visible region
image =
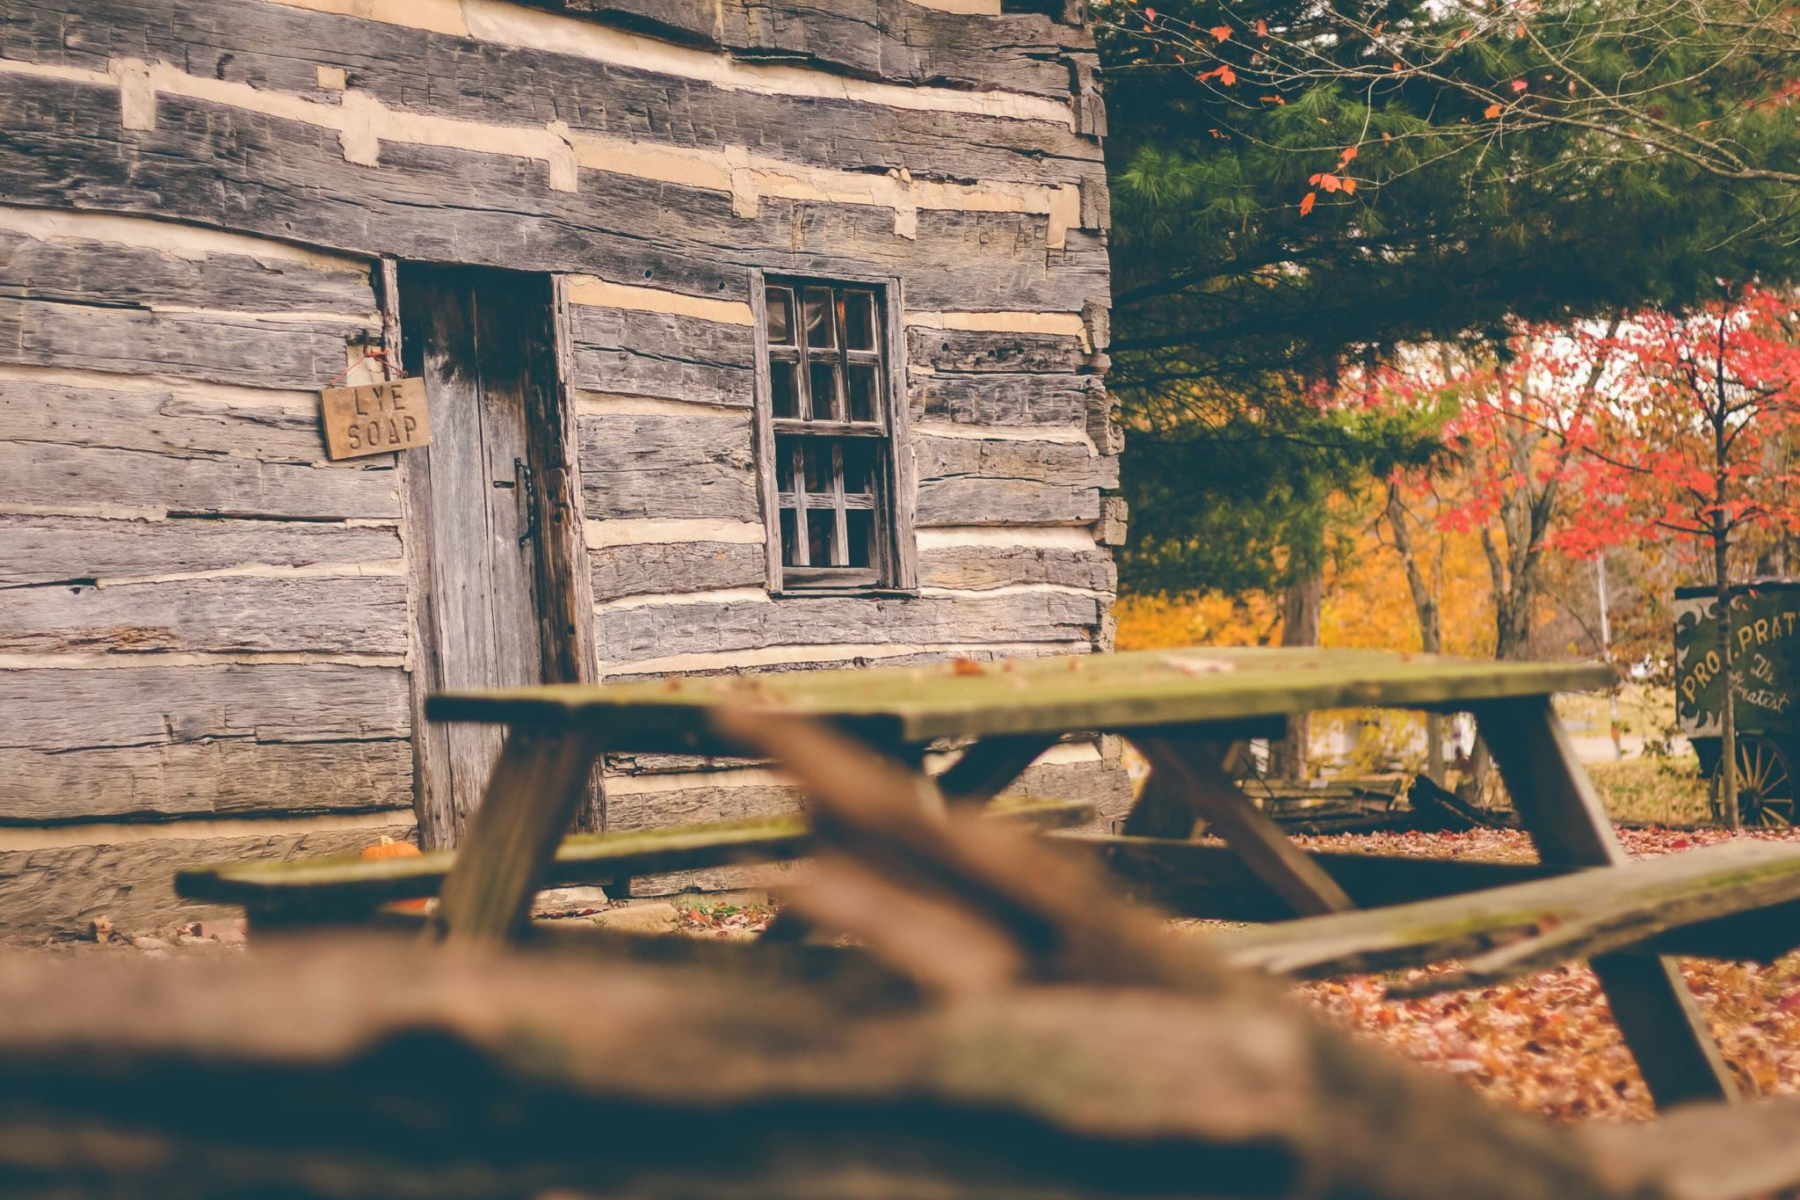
(1694, 441)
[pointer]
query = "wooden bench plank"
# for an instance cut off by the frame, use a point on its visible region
(332, 886)
(1511, 931)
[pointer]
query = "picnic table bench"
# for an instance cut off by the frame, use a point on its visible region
(1189, 712)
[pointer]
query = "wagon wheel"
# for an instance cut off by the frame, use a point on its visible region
(1765, 784)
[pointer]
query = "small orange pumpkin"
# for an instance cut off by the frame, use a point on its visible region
(387, 847)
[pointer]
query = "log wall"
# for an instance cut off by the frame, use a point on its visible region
(205, 625)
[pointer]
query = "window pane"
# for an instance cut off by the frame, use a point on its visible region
(860, 524)
(821, 523)
(789, 553)
(859, 465)
(780, 304)
(859, 320)
(784, 389)
(819, 334)
(862, 392)
(824, 391)
(818, 466)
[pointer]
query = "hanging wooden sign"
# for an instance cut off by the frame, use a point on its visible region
(376, 418)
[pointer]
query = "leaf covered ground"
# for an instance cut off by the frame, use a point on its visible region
(1547, 1043)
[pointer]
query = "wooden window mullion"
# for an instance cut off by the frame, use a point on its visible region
(802, 514)
(840, 542)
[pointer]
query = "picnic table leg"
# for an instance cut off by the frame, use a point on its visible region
(1655, 1011)
(1188, 782)
(539, 781)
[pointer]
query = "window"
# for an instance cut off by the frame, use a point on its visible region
(827, 432)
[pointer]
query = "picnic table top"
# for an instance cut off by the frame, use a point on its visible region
(1097, 692)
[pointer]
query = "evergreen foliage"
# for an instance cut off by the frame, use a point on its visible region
(1296, 185)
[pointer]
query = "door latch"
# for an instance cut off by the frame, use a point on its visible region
(528, 492)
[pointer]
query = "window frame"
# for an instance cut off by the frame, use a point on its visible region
(893, 548)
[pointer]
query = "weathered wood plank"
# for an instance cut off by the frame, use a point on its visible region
(977, 568)
(72, 269)
(661, 354)
(350, 614)
(55, 710)
(654, 630)
(1007, 399)
(341, 884)
(969, 481)
(899, 43)
(219, 347)
(62, 889)
(38, 550)
(249, 172)
(204, 778)
(675, 567)
(165, 420)
(637, 465)
(1226, 687)
(629, 810)
(966, 351)
(1530, 926)
(73, 476)
(279, 48)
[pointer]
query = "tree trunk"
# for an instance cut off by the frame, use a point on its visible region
(1728, 782)
(1302, 604)
(1431, 625)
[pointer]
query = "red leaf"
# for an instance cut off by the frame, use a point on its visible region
(1151, 13)
(1350, 152)
(1262, 29)
(1306, 205)
(1519, 85)
(1491, 111)
(1349, 187)
(1220, 32)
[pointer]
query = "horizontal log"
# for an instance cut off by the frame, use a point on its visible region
(174, 420)
(246, 171)
(224, 778)
(964, 350)
(71, 269)
(38, 550)
(54, 476)
(1007, 399)
(662, 354)
(61, 889)
(630, 810)
(384, 1066)
(899, 43)
(638, 465)
(676, 567)
(408, 68)
(656, 630)
(978, 568)
(57, 710)
(225, 348)
(350, 614)
(636, 570)
(983, 481)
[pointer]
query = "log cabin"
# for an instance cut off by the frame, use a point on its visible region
(754, 335)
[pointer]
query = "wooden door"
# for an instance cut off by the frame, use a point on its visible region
(488, 514)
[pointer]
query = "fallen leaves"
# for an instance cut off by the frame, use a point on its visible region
(1547, 1044)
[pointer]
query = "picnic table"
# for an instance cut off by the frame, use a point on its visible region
(1189, 712)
